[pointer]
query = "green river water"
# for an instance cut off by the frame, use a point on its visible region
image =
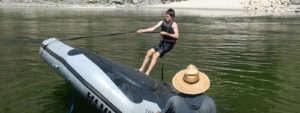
(252, 59)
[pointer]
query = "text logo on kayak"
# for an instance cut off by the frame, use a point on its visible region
(100, 105)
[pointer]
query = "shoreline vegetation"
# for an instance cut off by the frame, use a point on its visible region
(259, 5)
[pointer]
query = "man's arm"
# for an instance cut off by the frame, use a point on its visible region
(176, 32)
(170, 105)
(150, 29)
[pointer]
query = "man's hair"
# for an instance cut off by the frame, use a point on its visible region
(171, 12)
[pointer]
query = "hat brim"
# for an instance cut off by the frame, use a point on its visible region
(196, 88)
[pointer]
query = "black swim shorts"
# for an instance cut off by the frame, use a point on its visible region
(163, 44)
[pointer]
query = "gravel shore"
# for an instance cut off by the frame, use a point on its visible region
(259, 5)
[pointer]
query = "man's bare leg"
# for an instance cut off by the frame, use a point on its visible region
(153, 62)
(146, 60)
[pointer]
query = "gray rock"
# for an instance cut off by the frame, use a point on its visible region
(136, 1)
(296, 2)
(285, 1)
(293, 6)
(155, 1)
(269, 9)
(145, 2)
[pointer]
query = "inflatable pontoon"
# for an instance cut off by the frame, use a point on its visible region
(111, 86)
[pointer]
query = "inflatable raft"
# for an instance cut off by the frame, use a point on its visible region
(111, 86)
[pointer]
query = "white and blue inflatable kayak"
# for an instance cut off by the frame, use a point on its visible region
(111, 86)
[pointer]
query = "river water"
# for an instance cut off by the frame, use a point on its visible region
(252, 59)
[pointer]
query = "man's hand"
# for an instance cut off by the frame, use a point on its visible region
(158, 112)
(139, 31)
(163, 33)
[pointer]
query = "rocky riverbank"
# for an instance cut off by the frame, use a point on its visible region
(80, 3)
(261, 5)
(272, 5)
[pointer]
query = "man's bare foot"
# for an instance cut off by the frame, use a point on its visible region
(141, 70)
(147, 73)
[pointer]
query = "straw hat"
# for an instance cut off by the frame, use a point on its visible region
(191, 81)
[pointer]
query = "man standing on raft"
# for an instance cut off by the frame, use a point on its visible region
(191, 85)
(169, 33)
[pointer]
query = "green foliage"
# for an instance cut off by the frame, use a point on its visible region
(105, 1)
(96, 1)
(92, 1)
(130, 1)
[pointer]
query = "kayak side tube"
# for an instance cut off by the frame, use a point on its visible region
(86, 77)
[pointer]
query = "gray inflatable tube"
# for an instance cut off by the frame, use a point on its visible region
(112, 87)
